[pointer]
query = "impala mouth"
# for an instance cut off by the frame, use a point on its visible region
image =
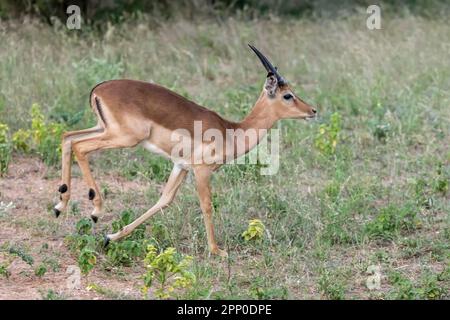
(308, 117)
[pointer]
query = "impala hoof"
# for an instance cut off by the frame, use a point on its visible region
(57, 212)
(106, 241)
(219, 252)
(94, 218)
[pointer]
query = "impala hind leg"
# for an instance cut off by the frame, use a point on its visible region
(202, 178)
(66, 164)
(176, 178)
(83, 146)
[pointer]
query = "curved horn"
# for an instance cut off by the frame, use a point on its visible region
(269, 67)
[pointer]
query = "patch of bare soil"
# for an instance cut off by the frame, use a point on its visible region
(31, 226)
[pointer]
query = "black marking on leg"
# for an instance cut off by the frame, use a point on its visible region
(63, 188)
(57, 212)
(94, 218)
(100, 111)
(106, 241)
(91, 194)
(60, 197)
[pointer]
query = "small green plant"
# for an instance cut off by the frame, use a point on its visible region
(381, 131)
(328, 136)
(53, 264)
(77, 242)
(427, 288)
(331, 285)
(87, 260)
(5, 149)
(44, 138)
(430, 288)
(4, 266)
(255, 230)
(21, 253)
(96, 288)
(41, 270)
(169, 269)
(4, 272)
(22, 140)
(84, 245)
(84, 226)
(442, 181)
(422, 194)
(52, 295)
(127, 217)
(403, 287)
(126, 251)
(391, 220)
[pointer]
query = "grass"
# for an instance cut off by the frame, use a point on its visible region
(381, 196)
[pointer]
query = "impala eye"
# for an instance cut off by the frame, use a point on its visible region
(288, 96)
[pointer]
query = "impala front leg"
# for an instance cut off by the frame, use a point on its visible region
(176, 178)
(202, 177)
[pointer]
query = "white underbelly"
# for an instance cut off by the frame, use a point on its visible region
(155, 149)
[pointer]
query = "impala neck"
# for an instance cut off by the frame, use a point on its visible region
(261, 118)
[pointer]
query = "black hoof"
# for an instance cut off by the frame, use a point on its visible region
(62, 188)
(94, 218)
(106, 241)
(57, 212)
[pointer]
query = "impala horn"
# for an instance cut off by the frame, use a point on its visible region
(269, 67)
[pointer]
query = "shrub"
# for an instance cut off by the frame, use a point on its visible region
(87, 247)
(46, 137)
(21, 140)
(41, 270)
(84, 226)
(84, 244)
(255, 230)
(87, 260)
(169, 269)
(125, 251)
(43, 138)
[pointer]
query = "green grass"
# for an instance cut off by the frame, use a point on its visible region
(380, 197)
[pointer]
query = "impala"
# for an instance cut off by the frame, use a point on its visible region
(134, 112)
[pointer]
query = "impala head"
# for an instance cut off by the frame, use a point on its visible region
(279, 95)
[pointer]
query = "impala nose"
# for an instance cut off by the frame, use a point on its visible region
(314, 110)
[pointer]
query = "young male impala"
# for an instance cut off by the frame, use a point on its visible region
(133, 112)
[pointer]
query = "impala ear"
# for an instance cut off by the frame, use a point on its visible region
(271, 84)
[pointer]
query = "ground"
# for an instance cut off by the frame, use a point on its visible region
(31, 225)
